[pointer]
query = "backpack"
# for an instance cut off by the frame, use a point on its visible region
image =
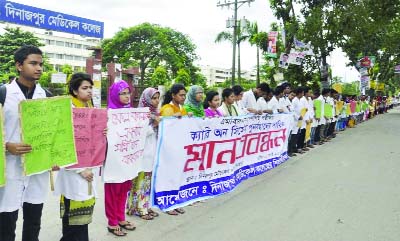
(3, 93)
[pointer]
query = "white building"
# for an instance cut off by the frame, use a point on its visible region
(215, 75)
(62, 48)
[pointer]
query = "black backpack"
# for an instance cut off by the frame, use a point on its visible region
(3, 93)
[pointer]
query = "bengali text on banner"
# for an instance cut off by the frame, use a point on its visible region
(212, 156)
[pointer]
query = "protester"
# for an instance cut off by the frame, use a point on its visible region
(238, 91)
(227, 107)
(250, 97)
(139, 198)
(194, 101)
(115, 194)
(172, 106)
(273, 104)
(77, 201)
(211, 104)
(28, 192)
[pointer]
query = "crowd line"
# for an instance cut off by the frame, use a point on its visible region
(317, 117)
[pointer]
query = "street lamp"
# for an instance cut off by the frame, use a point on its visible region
(234, 24)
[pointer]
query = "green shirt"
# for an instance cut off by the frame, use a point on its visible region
(197, 111)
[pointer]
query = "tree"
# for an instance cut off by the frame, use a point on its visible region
(159, 77)
(183, 77)
(151, 45)
(10, 41)
(241, 36)
(256, 38)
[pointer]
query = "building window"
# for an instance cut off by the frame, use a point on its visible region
(69, 45)
(69, 57)
(49, 42)
(49, 55)
(59, 56)
(78, 46)
(59, 43)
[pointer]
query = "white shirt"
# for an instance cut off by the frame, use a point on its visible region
(18, 188)
(249, 100)
(273, 104)
(262, 104)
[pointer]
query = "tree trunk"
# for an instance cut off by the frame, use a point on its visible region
(239, 69)
(258, 66)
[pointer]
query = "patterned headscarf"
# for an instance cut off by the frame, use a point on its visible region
(113, 95)
(191, 96)
(145, 100)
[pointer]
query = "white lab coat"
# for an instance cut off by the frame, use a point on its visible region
(249, 100)
(19, 188)
(322, 121)
(273, 104)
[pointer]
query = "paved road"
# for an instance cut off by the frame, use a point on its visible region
(347, 190)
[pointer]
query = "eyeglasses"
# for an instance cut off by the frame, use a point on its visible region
(125, 93)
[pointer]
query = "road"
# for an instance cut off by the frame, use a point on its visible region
(346, 190)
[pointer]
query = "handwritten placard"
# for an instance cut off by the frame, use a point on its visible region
(318, 108)
(90, 142)
(47, 126)
(126, 135)
(2, 150)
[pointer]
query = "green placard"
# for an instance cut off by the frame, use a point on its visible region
(2, 151)
(47, 126)
(358, 107)
(328, 110)
(318, 108)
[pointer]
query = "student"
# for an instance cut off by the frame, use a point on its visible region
(116, 193)
(194, 101)
(76, 203)
(238, 91)
(227, 107)
(21, 191)
(172, 106)
(292, 146)
(250, 97)
(139, 198)
(273, 103)
(298, 106)
(211, 104)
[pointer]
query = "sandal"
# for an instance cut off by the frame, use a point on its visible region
(172, 212)
(152, 213)
(116, 231)
(146, 216)
(127, 226)
(180, 210)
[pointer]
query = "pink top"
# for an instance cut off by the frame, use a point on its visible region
(212, 113)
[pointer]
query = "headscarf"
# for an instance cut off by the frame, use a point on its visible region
(113, 95)
(191, 96)
(145, 100)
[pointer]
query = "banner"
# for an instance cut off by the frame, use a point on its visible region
(318, 108)
(283, 61)
(2, 150)
(90, 142)
(198, 159)
(397, 69)
(272, 40)
(40, 18)
(126, 135)
(296, 58)
(47, 126)
(328, 110)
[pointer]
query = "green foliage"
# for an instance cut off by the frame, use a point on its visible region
(351, 88)
(183, 77)
(151, 45)
(159, 77)
(10, 41)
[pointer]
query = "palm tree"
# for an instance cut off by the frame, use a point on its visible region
(255, 39)
(227, 36)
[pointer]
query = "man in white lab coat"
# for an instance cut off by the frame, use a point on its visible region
(249, 100)
(21, 191)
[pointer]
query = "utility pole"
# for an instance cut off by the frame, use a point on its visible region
(234, 24)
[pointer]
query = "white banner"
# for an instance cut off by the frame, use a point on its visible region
(197, 159)
(126, 136)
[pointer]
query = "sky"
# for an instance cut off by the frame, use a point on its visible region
(201, 20)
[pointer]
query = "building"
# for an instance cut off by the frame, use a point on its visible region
(215, 75)
(62, 48)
